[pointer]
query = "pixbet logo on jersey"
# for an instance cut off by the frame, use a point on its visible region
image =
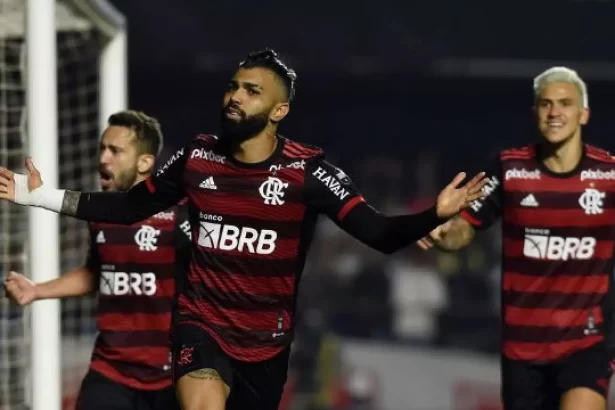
(229, 237)
(539, 244)
(597, 174)
(522, 174)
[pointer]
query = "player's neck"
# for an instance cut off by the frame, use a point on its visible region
(562, 158)
(257, 149)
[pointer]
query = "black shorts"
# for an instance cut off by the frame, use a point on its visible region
(254, 385)
(528, 386)
(100, 393)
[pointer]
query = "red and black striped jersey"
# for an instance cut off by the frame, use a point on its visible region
(252, 225)
(138, 267)
(557, 251)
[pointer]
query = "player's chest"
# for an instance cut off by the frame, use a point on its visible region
(540, 200)
(221, 188)
(137, 242)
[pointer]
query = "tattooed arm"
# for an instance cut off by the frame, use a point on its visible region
(143, 200)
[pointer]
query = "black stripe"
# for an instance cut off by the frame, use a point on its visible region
(543, 267)
(243, 264)
(237, 301)
(134, 305)
(601, 233)
(552, 300)
(132, 338)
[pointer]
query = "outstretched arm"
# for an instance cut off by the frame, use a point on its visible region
(330, 191)
(143, 200)
(78, 282)
(481, 214)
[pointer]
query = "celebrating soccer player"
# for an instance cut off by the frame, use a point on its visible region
(134, 269)
(254, 197)
(556, 200)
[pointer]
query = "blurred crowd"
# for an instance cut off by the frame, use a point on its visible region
(413, 297)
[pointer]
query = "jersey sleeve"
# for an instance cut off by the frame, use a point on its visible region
(484, 212)
(155, 194)
(330, 191)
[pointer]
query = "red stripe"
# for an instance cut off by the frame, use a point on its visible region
(514, 248)
(240, 319)
(249, 206)
(558, 218)
(518, 282)
(348, 207)
(247, 284)
(134, 321)
(548, 317)
(150, 185)
(547, 351)
(131, 253)
(106, 369)
(471, 219)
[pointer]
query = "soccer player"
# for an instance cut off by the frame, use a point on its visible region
(254, 197)
(133, 268)
(557, 203)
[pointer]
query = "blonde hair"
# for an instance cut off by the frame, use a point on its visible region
(561, 75)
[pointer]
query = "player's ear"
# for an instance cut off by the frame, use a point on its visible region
(279, 112)
(585, 113)
(145, 163)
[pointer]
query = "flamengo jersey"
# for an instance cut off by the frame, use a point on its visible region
(251, 228)
(558, 242)
(138, 265)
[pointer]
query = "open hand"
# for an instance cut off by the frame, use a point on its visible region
(453, 198)
(14, 187)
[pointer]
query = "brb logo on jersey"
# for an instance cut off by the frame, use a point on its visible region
(229, 237)
(146, 238)
(272, 191)
(127, 283)
(539, 244)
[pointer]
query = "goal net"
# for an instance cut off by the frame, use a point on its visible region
(79, 48)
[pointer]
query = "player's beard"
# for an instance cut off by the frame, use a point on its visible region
(235, 132)
(123, 181)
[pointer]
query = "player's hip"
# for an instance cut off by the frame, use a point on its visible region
(240, 343)
(139, 376)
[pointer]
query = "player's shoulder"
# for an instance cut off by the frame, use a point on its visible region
(294, 150)
(599, 154)
(524, 152)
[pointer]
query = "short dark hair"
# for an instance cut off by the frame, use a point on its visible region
(269, 59)
(147, 130)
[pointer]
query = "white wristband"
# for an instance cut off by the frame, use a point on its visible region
(47, 198)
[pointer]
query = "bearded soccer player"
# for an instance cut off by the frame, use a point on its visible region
(254, 199)
(134, 269)
(557, 203)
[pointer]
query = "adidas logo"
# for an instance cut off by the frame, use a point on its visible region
(529, 201)
(100, 238)
(208, 184)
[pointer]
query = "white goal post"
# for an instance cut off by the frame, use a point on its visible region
(43, 22)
